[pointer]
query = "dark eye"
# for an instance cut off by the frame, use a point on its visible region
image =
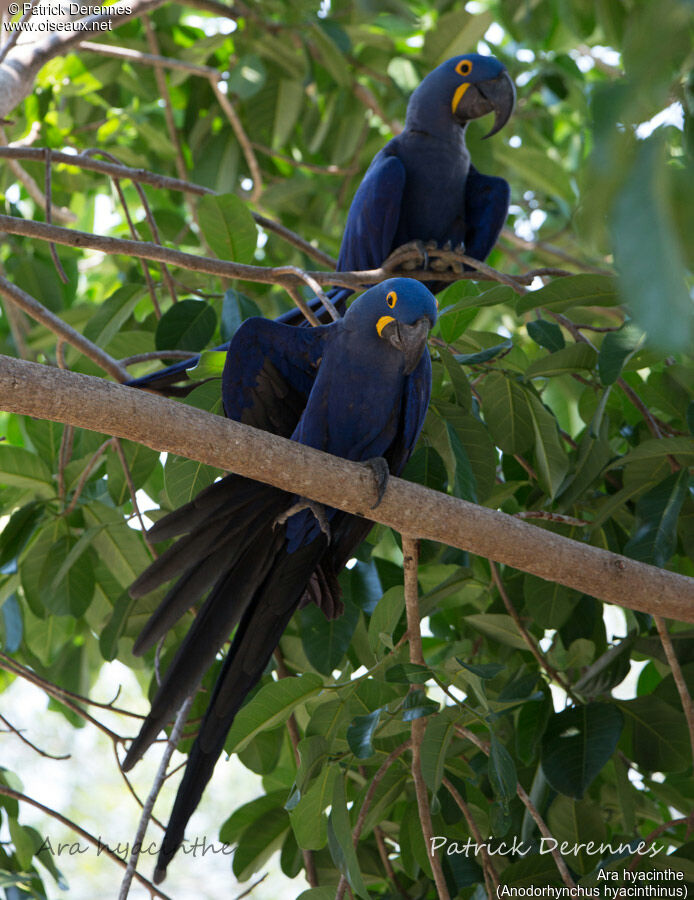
(391, 299)
(464, 67)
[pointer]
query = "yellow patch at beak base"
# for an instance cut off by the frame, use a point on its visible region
(382, 322)
(458, 96)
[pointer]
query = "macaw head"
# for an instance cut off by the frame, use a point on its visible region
(400, 312)
(465, 87)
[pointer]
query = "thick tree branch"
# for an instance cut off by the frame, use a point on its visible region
(98, 405)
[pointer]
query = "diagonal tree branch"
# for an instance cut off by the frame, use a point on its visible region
(41, 314)
(99, 405)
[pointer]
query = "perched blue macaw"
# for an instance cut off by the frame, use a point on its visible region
(422, 185)
(358, 388)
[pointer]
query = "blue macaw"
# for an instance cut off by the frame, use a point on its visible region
(421, 186)
(358, 388)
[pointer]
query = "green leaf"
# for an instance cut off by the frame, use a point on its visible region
(654, 538)
(574, 823)
(408, 673)
(210, 365)
(248, 814)
(385, 618)
(551, 461)
(546, 334)
(498, 627)
(567, 360)
(455, 33)
(185, 478)
(483, 356)
(435, 744)
(119, 547)
(24, 469)
(259, 842)
(263, 752)
(340, 842)
(140, 461)
(188, 325)
(270, 707)
(576, 745)
(538, 171)
(608, 670)
(309, 823)
(426, 467)
(464, 483)
(67, 576)
(507, 413)
(617, 349)
(659, 736)
(236, 308)
(325, 641)
(549, 604)
(18, 531)
(455, 320)
(648, 252)
(111, 316)
(330, 55)
(502, 771)
(290, 100)
(574, 290)
(461, 386)
(682, 448)
(416, 705)
(228, 227)
(360, 734)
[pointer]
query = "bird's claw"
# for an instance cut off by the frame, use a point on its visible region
(379, 467)
(448, 261)
(317, 509)
(403, 258)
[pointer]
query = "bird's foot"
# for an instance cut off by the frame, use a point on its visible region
(448, 258)
(317, 509)
(408, 257)
(379, 467)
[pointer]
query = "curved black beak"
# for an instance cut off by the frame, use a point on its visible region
(410, 340)
(498, 95)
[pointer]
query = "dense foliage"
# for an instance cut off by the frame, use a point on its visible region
(571, 403)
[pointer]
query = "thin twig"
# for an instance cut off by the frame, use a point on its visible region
(483, 745)
(56, 693)
(294, 737)
(676, 669)
(73, 826)
(163, 182)
(11, 728)
(368, 799)
(61, 213)
(241, 137)
(145, 817)
(41, 314)
(49, 216)
(527, 637)
(410, 552)
(84, 477)
(133, 494)
(491, 878)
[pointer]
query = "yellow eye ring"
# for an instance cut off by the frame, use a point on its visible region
(391, 298)
(464, 67)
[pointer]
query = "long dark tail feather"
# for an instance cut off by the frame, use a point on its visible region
(213, 562)
(172, 381)
(210, 629)
(259, 632)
